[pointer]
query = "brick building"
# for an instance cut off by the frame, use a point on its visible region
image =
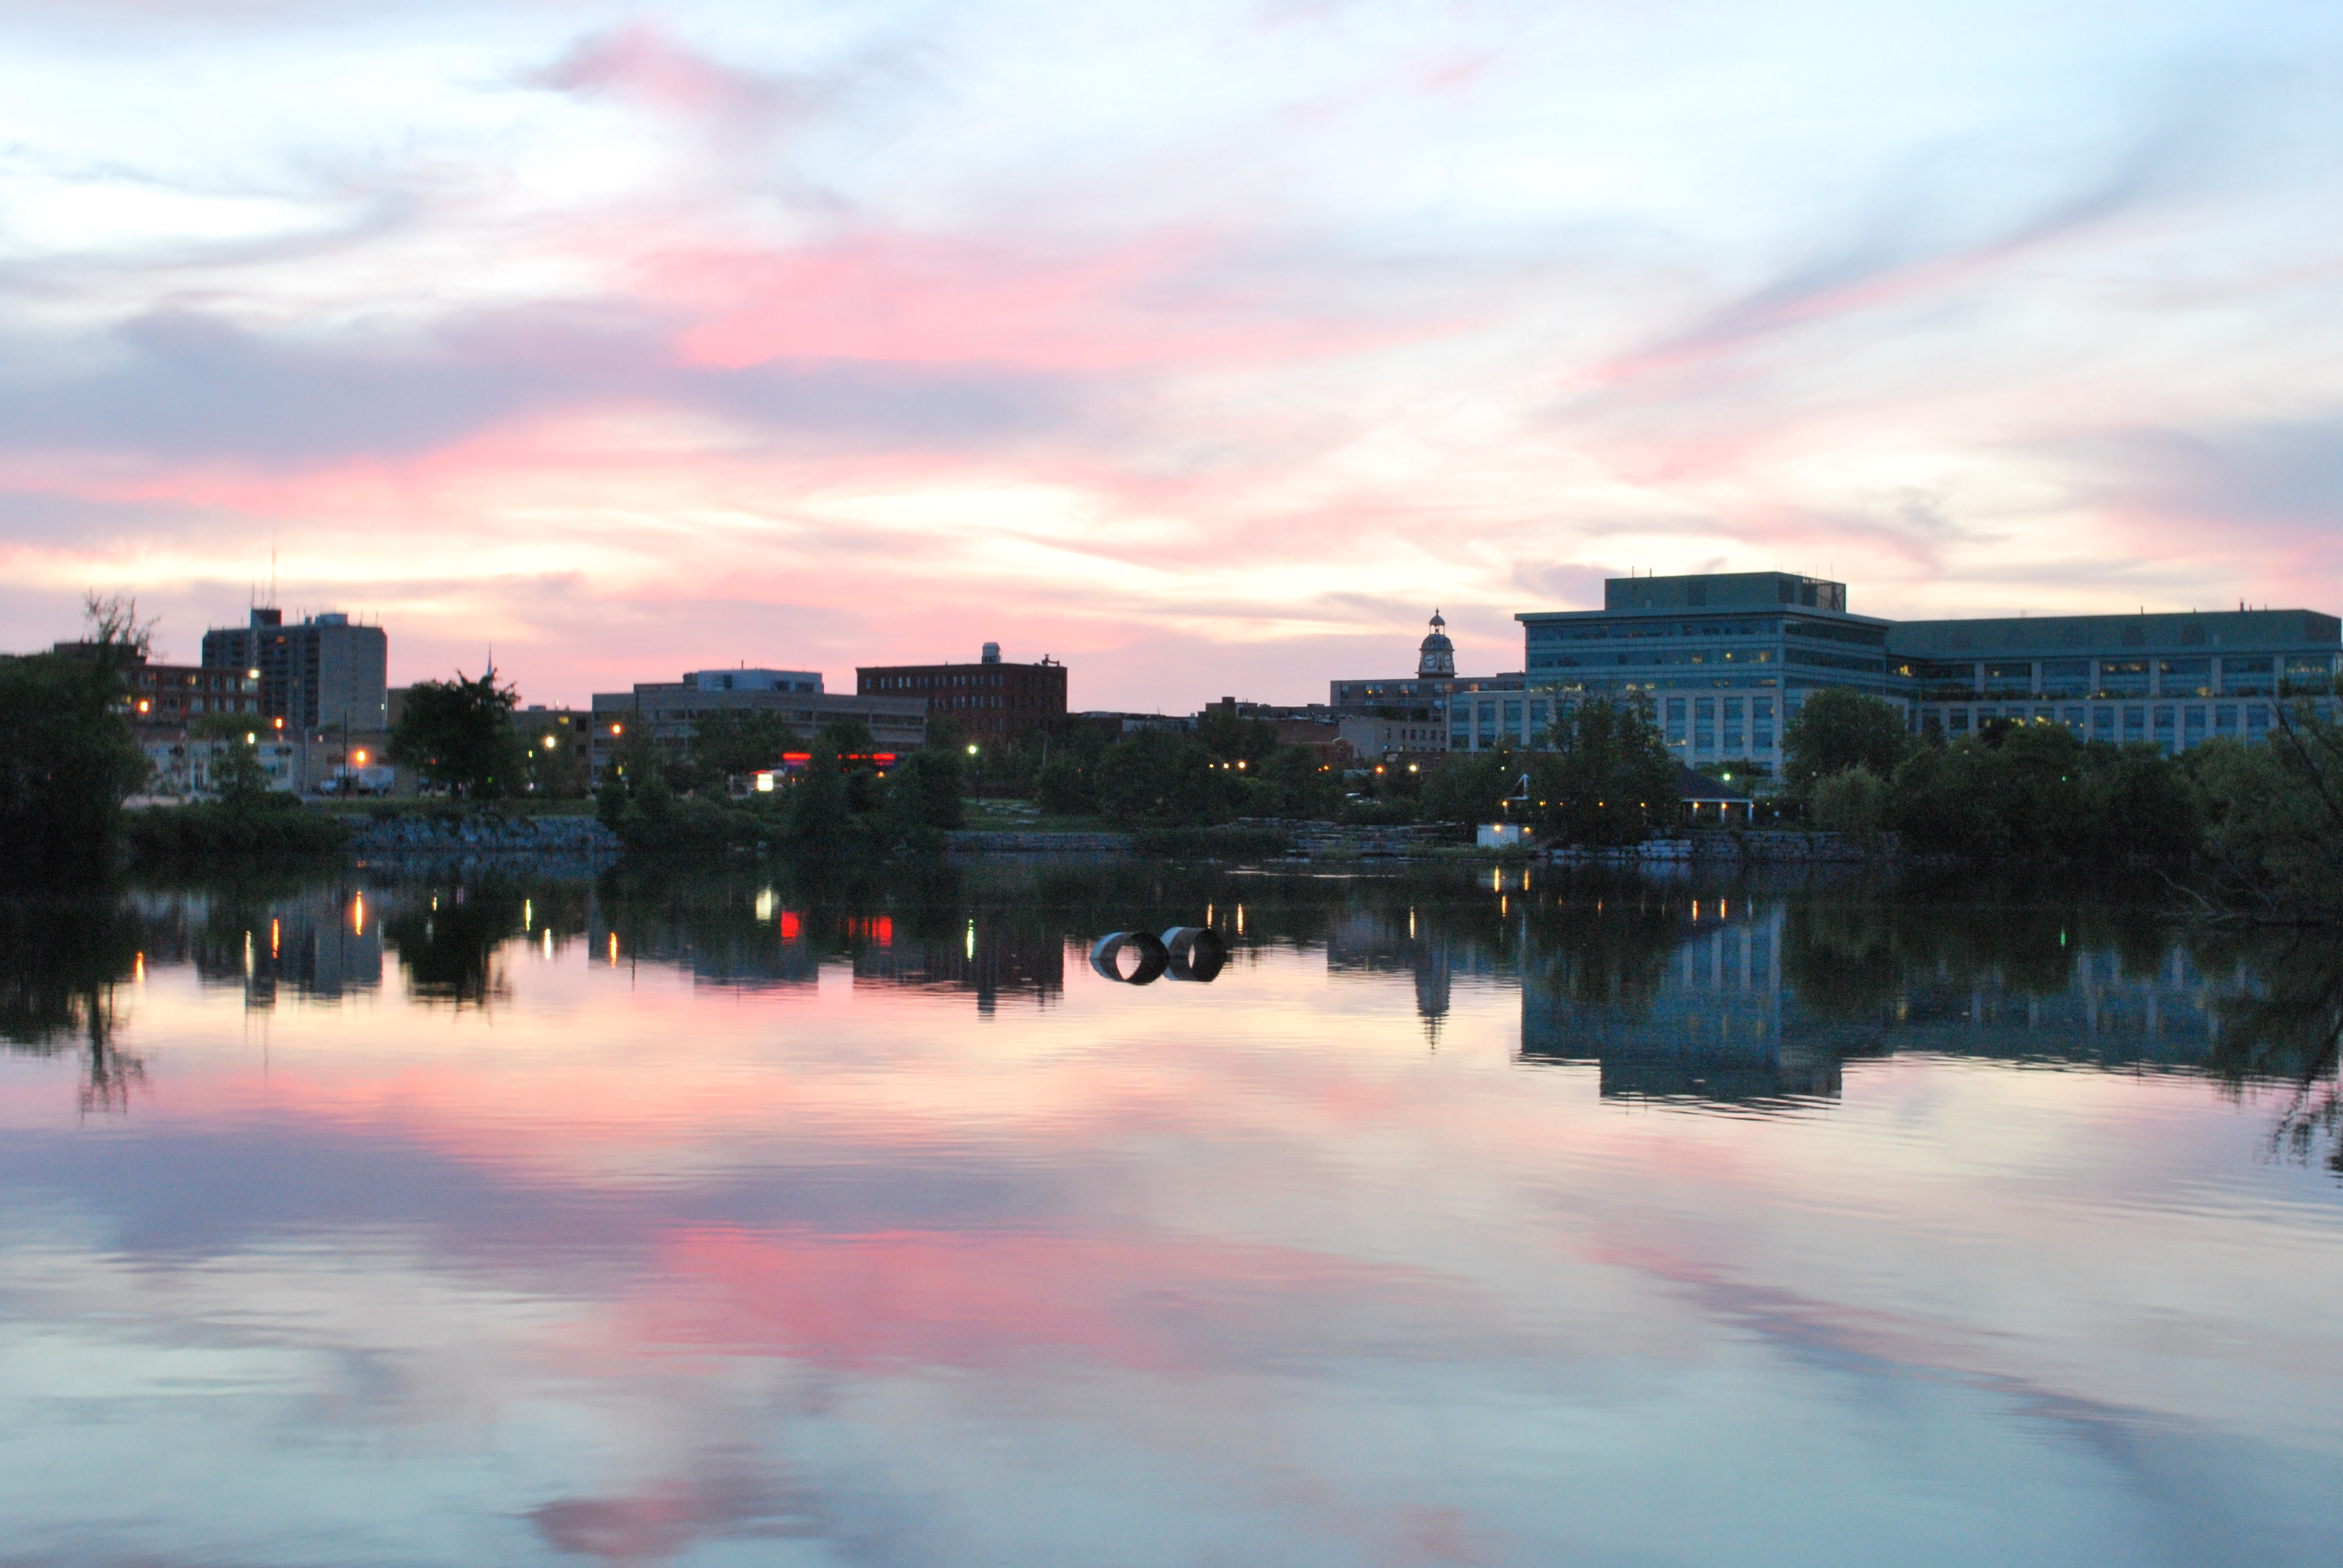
(992, 703)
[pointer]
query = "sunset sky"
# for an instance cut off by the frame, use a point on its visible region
(1204, 346)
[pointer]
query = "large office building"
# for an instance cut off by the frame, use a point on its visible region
(325, 673)
(666, 711)
(1726, 659)
(992, 703)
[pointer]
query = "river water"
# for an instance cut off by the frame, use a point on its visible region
(1463, 1218)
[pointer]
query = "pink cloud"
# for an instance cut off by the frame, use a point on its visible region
(639, 64)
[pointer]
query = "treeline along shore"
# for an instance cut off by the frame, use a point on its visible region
(2248, 830)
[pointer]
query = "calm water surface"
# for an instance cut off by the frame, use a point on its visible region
(458, 1220)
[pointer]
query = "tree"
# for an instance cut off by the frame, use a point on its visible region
(1610, 778)
(1835, 729)
(1290, 781)
(1161, 777)
(1470, 786)
(1230, 736)
(820, 814)
(923, 791)
(2273, 815)
(1065, 781)
(845, 737)
(1853, 802)
(238, 781)
(459, 735)
(730, 741)
(2140, 799)
(67, 759)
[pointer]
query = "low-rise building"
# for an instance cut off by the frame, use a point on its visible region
(1117, 726)
(168, 695)
(991, 701)
(1372, 738)
(182, 765)
(664, 712)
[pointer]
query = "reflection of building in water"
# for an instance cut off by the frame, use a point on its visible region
(320, 945)
(759, 957)
(1711, 1027)
(1390, 941)
(1720, 1024)
(988, 957)
(2106, 1013)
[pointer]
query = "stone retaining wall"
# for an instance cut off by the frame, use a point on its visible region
(485, 836)
(1769, 847)
(1059, 843)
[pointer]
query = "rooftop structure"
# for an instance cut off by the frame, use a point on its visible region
(747, 679)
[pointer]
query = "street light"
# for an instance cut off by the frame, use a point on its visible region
(971, 748)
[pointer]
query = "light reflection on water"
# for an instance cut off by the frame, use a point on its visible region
(1461, 1218)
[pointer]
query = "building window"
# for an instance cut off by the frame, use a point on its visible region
(2134, 724)
(2247, 677)
(1761, 723)
(1957, 723)
(2066, 677)
(2164, 728)
(1675, 721)
(1734, 733)
(1513, 718)
(1703, 724)
(2225, 719)
(2185, 678)
(2257, 721)
(2075, 722)
(2123, 677)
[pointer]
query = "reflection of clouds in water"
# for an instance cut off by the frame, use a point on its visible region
(634, 1266)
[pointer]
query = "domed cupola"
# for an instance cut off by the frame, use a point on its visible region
(1439, 654)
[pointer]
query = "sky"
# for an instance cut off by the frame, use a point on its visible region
(1206, 347)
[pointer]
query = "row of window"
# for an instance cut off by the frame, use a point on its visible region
(933, 682)
(1748, 723)
(2172, 726)
(1657, 656)
(1597, 631)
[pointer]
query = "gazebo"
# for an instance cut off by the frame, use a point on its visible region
(1707, 800)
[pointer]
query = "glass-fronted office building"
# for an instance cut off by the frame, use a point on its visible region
(1725, 659)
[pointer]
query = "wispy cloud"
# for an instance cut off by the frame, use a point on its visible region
(1209, 348)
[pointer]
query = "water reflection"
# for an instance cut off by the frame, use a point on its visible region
(656, 1220)
(1761, 994)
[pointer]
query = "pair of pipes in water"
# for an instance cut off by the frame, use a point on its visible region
(1183, 953)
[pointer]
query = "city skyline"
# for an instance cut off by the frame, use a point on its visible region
(1205, 349)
